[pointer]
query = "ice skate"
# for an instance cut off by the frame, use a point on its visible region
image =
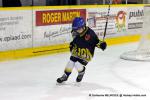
(80, 75)
(62, 79)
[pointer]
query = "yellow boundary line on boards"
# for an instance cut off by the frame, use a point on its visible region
(31, 52)
(72, 6)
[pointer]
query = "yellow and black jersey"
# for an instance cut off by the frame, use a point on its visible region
(84, 44)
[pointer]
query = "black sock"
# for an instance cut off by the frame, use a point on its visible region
(67, 73)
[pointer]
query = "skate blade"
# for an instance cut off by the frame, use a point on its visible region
(76, 84)
(63, 83)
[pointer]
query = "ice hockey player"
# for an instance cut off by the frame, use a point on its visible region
(82, 49)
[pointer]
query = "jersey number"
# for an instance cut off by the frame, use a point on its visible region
(83, 53)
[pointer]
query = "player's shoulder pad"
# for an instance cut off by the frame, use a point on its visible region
(91, 32)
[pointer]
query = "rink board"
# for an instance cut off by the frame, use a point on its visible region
(27, 31)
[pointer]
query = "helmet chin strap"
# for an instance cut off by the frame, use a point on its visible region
(84, 28)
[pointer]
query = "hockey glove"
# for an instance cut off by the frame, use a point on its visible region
(103, 45)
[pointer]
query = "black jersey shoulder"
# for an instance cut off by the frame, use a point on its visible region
(91, 32)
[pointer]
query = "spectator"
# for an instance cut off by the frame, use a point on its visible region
(11, 3)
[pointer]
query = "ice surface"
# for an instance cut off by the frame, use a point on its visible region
(35, 78)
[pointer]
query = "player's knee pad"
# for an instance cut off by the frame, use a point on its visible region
(69, 66)
(80, 67)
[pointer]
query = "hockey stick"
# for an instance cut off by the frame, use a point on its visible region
(106, 21)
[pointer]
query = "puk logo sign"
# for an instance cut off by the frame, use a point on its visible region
(121, 21)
